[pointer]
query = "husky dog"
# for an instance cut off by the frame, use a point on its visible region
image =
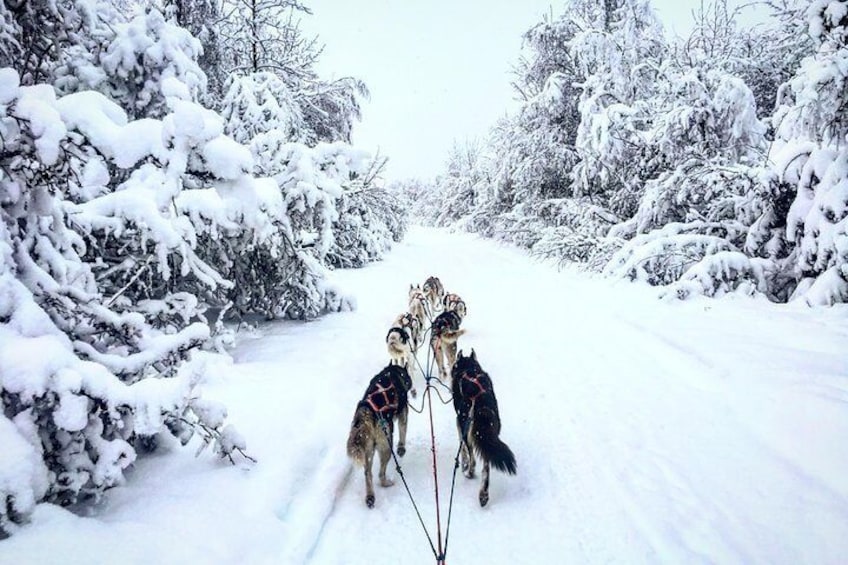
(372, 428)
(435, 293)
(418, 303)
(452, 302)
(402, 345)
(412, 324)
(444, 332)
(399, 344)
(478, 421)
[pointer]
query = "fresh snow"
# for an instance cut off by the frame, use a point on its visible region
(645, 431)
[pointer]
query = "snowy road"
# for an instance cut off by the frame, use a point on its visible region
(645, 431)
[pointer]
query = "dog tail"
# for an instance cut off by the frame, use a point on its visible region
(484, 436)
(358, 438)
(450, 336)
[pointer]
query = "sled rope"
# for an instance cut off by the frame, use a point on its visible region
(440, 558)
(441, 554)
(450, 504)
(384, 425)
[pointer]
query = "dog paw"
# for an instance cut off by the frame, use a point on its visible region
(484, 498)
(401, 451)
(385, 483)
(469, 473)
(369, 501)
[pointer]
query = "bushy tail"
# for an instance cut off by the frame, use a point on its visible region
(358, 437)
(450, 336)
(487, 444)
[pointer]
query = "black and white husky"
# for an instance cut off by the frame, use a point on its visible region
(478, 421)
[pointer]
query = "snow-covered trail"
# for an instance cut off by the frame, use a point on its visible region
(645, 431)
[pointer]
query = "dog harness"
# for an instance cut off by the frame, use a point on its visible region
(383, 400)
(451, 301)
(472, 380)
(387, 392)
(446, 321)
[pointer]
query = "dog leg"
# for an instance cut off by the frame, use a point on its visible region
(385, 449)
(463, 452)
(451, 352)
(469, 449)
(369, 481)
(410, 361)
(440, 362)
(402, 419)
(484, 488)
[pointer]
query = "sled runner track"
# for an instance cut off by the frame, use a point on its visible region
(311, 508)
(340, 487)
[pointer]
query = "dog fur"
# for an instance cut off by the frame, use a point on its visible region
(434, 292)
(453, 302)
(478, 422)
(402, 343)
(412, 324)
(384, 402)
(418, 303)
(444, 332)
(399, 345)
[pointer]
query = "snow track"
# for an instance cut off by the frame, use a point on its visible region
(645, 431)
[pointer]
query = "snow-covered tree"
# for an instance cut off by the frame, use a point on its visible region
(90, 373)
(370, 219)
(201, 18)
(261, 103)
(620, 50)
(810, 155)
(763, 56)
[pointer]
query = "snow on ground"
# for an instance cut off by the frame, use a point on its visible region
(645, 431)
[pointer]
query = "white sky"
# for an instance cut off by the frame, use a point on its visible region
(438, 70)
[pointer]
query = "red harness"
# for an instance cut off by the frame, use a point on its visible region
(382, 392)
(476, 380)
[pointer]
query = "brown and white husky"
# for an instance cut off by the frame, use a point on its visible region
(418, 303)
(434, 292)
(372, 428)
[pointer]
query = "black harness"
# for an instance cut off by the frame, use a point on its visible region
(446, 321)
(387, 392)
(470, 386)
(382, 400)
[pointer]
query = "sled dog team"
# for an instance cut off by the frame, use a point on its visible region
(385, 399)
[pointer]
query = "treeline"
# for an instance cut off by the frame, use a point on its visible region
(710, 165)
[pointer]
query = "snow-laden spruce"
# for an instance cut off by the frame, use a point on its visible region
(86, 373)
(810, 155)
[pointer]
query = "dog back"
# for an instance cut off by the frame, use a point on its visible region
(445, 322)
(453, 302)
(471, 383)
(386, 393)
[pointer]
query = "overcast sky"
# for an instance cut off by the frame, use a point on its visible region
(438, 70)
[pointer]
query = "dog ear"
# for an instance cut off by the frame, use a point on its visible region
(473, 354)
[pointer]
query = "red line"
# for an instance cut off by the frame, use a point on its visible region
(435, 475)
